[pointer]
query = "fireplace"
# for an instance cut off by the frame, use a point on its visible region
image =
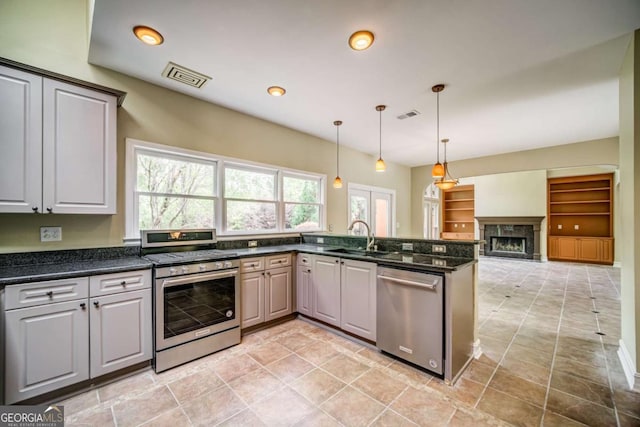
(510, 237)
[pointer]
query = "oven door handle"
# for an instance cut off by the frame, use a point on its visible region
(167, 283)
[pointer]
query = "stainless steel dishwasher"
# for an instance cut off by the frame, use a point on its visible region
(410, 317)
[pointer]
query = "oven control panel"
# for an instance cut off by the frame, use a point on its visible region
(198, 267)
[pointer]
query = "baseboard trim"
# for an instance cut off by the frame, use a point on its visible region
(477, 350)
(629, 367)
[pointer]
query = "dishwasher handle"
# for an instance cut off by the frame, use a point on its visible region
(430, 286)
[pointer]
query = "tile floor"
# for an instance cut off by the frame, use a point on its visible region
(543, 365)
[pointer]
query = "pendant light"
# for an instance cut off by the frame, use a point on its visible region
(446, 182)
(438, 170)
(380, 166)
(337, 182)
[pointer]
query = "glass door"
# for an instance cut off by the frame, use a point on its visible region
(375, 206)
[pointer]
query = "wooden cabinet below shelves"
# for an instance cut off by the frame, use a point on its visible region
(458, 213)
(597, 250)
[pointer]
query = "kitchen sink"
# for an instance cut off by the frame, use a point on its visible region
(360, 252)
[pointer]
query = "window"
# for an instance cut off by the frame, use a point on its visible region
(169, 187)
(250, 199)
(302, 202)
(174, 191)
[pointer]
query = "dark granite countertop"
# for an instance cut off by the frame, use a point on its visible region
(35, 272)
(67, 266)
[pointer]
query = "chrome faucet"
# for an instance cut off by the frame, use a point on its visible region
(370, 237)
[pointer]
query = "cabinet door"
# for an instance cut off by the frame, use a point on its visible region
(606, 254)
(47, 347)
(567, 248)
(252, 295)
(359, 298)
(20, 141)
(278, 293)
(79, 150)
(553, 247)
(589, 249)
(304, 290)
(120, 331)
(326, 289)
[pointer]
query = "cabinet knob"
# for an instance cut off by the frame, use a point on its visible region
(34, 209)
(83, 306)
(49, 209)
(123, 283)
(268, 273)
(337, 261)
(309, 271)
(50, 294)
(96, 303)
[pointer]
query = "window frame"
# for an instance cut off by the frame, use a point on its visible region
(135, 146)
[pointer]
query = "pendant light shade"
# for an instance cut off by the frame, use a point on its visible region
(438, 170)
(446, 182)
(380, 165)
(337, 182)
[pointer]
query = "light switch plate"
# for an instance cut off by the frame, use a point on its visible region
(50, 234)
(253, 243)
(320, 240)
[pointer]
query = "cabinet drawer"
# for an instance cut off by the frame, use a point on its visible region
(248, 265)
(275, 261)
(305, 260)
(50, 291)
(107, 284)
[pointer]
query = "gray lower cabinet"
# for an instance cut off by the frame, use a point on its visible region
(278, 293)
(326, 289)
(120, 330)
(338, 291)
(46, 348)
(304, 285)
(358, 298)
(265, 288)
(61, 332)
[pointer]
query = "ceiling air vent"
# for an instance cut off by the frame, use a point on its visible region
(408, 114)
(184, 75)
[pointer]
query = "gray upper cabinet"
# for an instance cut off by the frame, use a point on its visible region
(20, 141)
(58, 145)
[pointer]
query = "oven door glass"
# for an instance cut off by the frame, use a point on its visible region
(193, 304)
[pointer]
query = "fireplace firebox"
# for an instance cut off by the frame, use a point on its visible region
(510, 237)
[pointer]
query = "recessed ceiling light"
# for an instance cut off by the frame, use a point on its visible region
(361, 40)
(276, 91)
(148, 35)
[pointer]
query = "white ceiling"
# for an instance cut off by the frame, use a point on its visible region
(520, 74)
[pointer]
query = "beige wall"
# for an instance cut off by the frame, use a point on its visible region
(630, 202)
(589, 153)
(53, 35)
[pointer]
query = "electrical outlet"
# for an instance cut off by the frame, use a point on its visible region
(576, 227)
(320, 240)
(407, 246)
(441, 249)
(253, 243)
(50, 234)
(330, 228)
(559, 226)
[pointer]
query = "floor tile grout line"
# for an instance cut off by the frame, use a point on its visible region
(555, 347)
(495, 370)
(606, 361)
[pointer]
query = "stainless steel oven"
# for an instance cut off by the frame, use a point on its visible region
(196, 308)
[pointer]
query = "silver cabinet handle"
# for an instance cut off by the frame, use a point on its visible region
(409, 282)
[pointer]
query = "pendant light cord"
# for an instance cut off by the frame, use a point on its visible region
(380, 133)
(438, 123)
(338, 150)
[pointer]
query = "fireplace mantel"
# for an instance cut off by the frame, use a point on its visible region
(534, 221)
